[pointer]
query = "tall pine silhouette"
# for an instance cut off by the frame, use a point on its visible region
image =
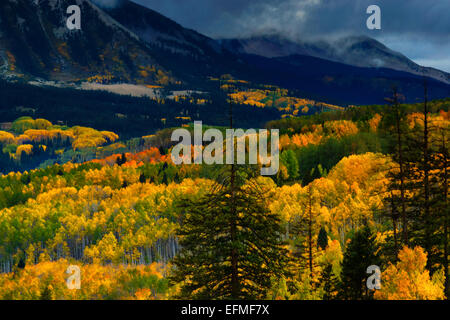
(231, 243)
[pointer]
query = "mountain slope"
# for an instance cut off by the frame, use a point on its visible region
(339, 83)
(133, 44)
(358, 51)
(35, 42)
(186, 52)
(156, 29)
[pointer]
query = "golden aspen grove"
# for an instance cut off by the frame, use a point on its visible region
(118, 217)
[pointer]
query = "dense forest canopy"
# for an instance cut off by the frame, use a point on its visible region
(337, 191)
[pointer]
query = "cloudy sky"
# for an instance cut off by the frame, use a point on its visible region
(420, 29)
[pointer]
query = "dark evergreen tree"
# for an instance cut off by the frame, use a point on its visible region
(330, 282)
(165, 180)
(359, 255)
(46, 293)
(322, 240)
(231, 244)
(21, 264)
(121, 159)
(422, 155)
(429, 184)
(395, 117)
(424, 225)
(303, 226)
(390, 247)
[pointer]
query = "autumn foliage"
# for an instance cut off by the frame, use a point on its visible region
(118, 216)
(409, 280)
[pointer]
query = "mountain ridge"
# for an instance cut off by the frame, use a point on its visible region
(184, 51)
(361, 51)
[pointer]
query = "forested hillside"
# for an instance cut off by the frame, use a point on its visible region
(125, 115)
(356, 187)
(44, 125)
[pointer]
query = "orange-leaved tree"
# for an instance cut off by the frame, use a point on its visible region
(409, 280)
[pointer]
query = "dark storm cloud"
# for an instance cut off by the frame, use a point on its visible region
(108, 3)
(227, 18)
(418, 28)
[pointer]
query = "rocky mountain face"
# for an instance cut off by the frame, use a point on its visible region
(187, 53)
(157, 30)
(128, 43)
(35, 42)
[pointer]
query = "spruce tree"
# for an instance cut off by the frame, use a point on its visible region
(46, 293)
(121, 159)
(329, 281)
(304, 230)
(430, 187)
(231, 243)
(165, 179)
(397, 200)
(359, 255)
(422, 154)
(322, 239)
